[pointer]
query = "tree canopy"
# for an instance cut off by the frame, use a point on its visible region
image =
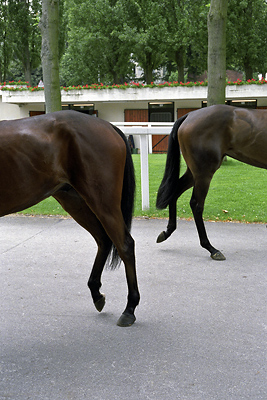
(247, 36)
(96, 47)
(103, 41)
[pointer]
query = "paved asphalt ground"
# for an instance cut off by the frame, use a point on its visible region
(201, 329)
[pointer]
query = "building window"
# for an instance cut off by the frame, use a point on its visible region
(237, 103)
(161, 112)
(84, 108)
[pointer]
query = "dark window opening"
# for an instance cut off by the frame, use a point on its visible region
(237, 103)
(83, 108)
(161, 112)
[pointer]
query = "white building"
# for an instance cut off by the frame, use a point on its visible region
(134, 104)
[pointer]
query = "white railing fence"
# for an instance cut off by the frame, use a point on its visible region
(144, 130)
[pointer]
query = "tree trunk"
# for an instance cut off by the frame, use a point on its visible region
(217, 51)
(49, 25)
(24, 8)
(148, 68)
(148, 74)
(248, 70)
(27, 65)
(179, 58)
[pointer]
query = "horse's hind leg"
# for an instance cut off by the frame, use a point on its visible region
(94, 283)
(106, 228)
(184, 183)
(113, 223)
(197, 205)
(172, 224)
(81, 213)
(127, 254)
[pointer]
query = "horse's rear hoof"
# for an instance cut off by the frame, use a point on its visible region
(218, 256)
(99, 304)
(161, 237)
(126, 320)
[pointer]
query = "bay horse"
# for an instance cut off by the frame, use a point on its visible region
(205, 137)
(85, 164)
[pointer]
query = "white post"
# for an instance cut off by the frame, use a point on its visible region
(144, 171)
(144, 130)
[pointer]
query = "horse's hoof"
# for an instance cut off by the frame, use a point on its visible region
(161, 237)
(126, 320)
(218, 256)
(99, 304)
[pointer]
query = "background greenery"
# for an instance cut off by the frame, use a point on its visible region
(237, 193)
(101, 41)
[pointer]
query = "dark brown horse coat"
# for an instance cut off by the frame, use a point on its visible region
(205, 137)
(85, 164)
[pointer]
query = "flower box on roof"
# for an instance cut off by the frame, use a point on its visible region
(133, 91)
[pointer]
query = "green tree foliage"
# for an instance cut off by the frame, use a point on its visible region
(197, 51)
(5, 40)
(105, 36)
(247, 36)
(26, 38)
(96, 47)
(186, 35)
(145, 30)
(20, 40)
(102, 40)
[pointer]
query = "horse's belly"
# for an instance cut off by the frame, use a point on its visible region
(22, 186)
(256, 157)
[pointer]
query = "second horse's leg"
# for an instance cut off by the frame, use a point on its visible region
(171, 224)
(184, 183)
(197, 206)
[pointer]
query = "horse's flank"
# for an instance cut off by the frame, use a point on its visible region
(240, 133)
(85, 164)
(205, 137)
(41, 154)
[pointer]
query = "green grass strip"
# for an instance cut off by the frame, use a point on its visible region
(237, 193)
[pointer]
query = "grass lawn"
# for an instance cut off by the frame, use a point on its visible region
(237, 193)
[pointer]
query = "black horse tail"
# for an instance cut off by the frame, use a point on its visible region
(127, 200)
(166, 190)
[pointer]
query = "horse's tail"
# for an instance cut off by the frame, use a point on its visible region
(166, 190)
(127, 200)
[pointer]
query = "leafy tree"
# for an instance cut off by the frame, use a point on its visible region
(5, 40)
(247, 36)
(20, 40)
(217, 51)
(186, 35)
(105, 37)
(197, 52)
(145, 29)
(26, 38)
(96, 48)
